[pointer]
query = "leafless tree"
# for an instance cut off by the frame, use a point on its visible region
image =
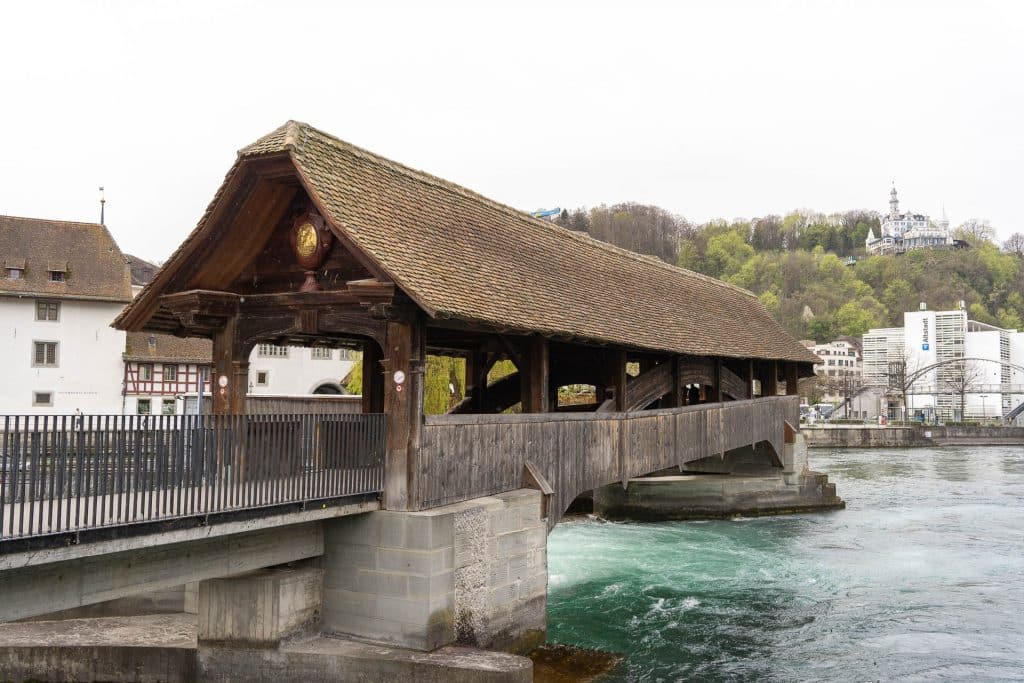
(960, 378)
(974, 231)
(903, 371)
(1015, 244)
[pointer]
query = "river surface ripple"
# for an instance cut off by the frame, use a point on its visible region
(920, 578)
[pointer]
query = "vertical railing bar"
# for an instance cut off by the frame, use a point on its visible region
(103, 459)
(22, 477)
(34, 472)
(280, 428)
(5, 475)
(58, 490)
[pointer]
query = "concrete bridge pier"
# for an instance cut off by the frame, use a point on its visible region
(472, 573)
(749, 481)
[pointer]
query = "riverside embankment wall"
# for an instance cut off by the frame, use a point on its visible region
(911, 437)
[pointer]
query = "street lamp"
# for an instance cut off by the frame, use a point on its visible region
(984, 413)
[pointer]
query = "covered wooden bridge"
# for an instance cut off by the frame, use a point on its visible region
(313, 241)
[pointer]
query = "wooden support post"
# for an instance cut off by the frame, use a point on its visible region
(748, 377)
(230, 381)
(773, 378)
(405, 363)
(677, 397)
(373, 378)
(792, 375)
(715, 390)
(535, 377)
(614, 373)
(476, 379)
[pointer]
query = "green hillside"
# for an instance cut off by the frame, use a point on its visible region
(798, 266)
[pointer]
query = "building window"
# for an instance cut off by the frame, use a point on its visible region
(262, 378)
(15, 273)
(171, 374)
(348, 354)
(273, 351)
(44, 355)
(320, 353)
(56, 276)
(48, 310)
(144, 406)
(42, 398)
(167, 407)
(146, 372)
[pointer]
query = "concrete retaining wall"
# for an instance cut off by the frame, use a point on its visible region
(911, 437)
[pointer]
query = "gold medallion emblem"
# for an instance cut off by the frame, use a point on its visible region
(306, 240)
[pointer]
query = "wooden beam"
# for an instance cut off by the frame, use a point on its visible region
(650, 385)
(613, 375)
(715, 388)
(535, 375)
(373, 378)
(404, 362)
(230, 381)
(476, 379)
(792, 375)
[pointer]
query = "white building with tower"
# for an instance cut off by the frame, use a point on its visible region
(901, 232)
(921, 359)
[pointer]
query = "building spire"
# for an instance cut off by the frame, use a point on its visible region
(894, 203)
(103, 205)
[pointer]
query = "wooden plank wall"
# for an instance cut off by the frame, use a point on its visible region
(468, 456)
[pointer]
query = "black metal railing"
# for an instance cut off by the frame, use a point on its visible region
(76, 472)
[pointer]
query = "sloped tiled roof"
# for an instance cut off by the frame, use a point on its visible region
(94, 267)
(146, 346)
(461, 255)
(142, 271)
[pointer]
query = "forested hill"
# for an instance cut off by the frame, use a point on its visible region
(797, 265)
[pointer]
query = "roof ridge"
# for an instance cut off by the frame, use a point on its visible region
(437, 181)
(52, 220)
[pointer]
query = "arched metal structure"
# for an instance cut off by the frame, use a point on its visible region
(934, 366)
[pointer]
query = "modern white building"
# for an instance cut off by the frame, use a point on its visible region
(901, 232)
(62, 284)
(922, 360)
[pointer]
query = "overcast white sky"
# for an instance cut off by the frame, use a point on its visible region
(711, 109)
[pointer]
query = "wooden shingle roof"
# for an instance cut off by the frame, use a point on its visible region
(462, 256)
(92, 264)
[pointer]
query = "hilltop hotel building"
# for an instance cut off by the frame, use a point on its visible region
(902, 232)
(994, 386)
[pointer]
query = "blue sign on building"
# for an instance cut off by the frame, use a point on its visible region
(924, 347)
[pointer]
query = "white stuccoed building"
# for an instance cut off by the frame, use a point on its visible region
(62, 284)
(928, 345)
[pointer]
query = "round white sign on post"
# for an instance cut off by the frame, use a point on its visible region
(399, 377)
(223, 381)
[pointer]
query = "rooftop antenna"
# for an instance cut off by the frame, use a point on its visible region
(103, 205)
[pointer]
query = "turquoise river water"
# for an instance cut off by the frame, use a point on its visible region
(920, 578)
